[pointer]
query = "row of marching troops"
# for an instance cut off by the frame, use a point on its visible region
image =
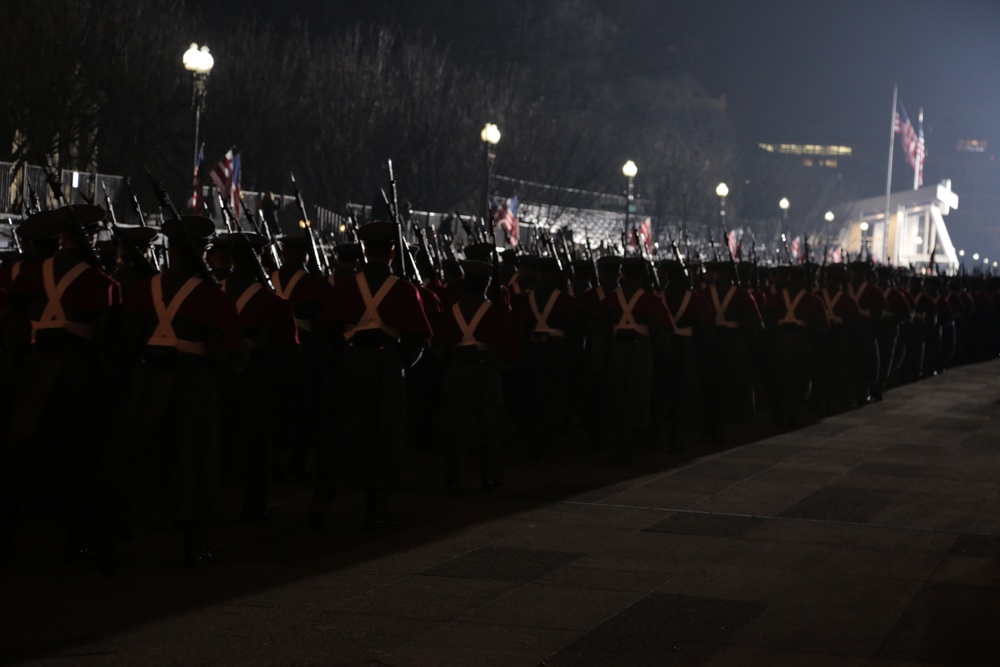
(133, 390)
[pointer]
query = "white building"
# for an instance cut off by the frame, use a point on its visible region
(916, 228)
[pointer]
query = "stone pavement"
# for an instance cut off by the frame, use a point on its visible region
(867, 538)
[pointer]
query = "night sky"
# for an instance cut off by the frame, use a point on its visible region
(811, 71)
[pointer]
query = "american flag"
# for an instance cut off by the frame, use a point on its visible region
(795, 249)
(836, 255)
(907, 136)
(646, 231)
(919, 178)
(733, 243)
(506, 215)
(237, 174)
(222, 174)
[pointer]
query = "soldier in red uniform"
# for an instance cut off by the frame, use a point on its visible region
(249, 395)
(795, 320)
(837, 358)
(738, 325)
(166, 444)
(303, 382)
(687, 362)
(551, 328)
(872, 304)
(632, 340)
(476, 342)
(39, 238)
(56, 429)
(892, 329)
(379, 323)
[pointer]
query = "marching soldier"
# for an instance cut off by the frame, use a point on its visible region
(835, 371)
(267, 322)
(795, 320)
(379, 323)
(307, 292)
(127, 269)
(687, 359)
(477, 341)
(56, 428)
(872, 304)
(738, 325)
(634, 337)
(550, 324)
(166, 444)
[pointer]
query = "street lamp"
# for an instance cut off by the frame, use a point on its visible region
(783, 205)
(629, 170)
(722, 191)
(490, 135)
(199, 62)
(829, 216)
(863, 226)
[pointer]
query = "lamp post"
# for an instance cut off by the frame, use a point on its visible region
(490, 135)
(629, 170)
(199, 62)
(722, 191)
(783, 205)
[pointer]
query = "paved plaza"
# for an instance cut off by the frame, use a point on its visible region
(867, 538)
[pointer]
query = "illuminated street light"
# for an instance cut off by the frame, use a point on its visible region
(864, 226)
(490, 135)
(722, 190)
(199, 62)
(975, 256)
(961, 253)
(829, 216)
(629, 170)
(783, 205)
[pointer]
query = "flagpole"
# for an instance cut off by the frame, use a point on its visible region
(919, 166)
(888, 179)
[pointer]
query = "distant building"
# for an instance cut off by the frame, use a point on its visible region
(916, 229)
(811, 155)
(974, 170)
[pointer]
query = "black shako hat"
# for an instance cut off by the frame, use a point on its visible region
(197, 228)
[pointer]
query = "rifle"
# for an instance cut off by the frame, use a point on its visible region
(258, 268)
(353, 226)
(644, 253)
(431, 257)
(729, 251)
(684, 268)
(77, 231)
(201, 267)
(788, 253)
(319, 260)
(36, 203)
(547, 240)
(154, 256)
(266, 228)
(15, 239)
(401, 249)
(593, 262)
(227, 217)
(138, 257)
(261, 233)
(469, 231)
